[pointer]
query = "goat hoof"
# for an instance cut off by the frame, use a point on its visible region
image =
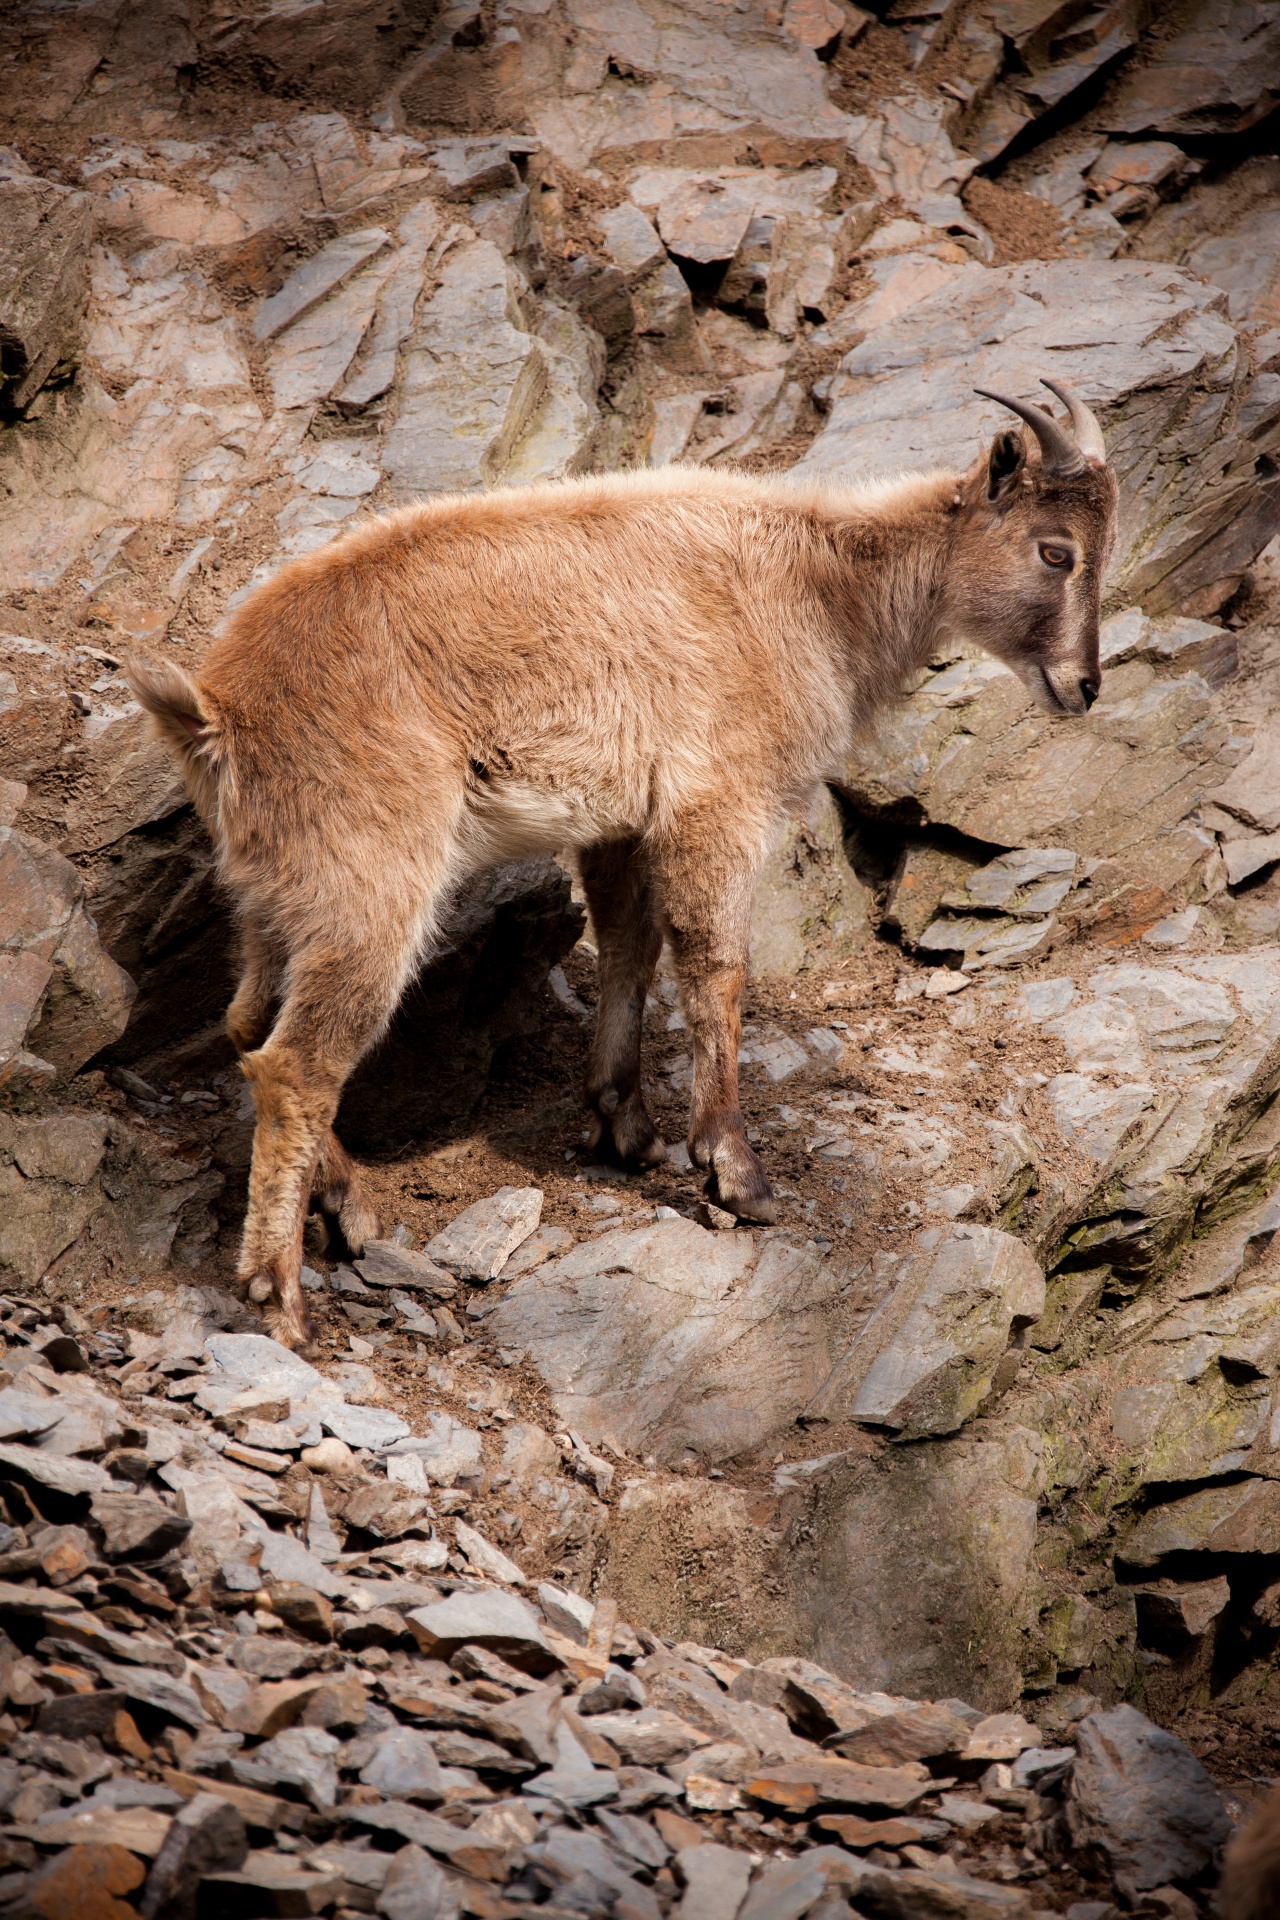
(359, 1223)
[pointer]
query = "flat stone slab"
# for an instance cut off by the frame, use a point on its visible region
(477, 1244)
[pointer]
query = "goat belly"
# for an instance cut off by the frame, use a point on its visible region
(510, 819)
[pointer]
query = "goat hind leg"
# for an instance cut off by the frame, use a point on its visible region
(335, 1004)
(620, 895)
(339, 1192)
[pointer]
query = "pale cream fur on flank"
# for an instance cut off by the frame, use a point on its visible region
(652, 668)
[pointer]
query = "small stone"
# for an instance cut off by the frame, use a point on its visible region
(271, 1883)
(136, 1526)
(303, 1609)
(478, 1243)
(715, 1881)
(567, 1613)
(486, 1558)
(385, 1264)
(301, 1757)
(1141, 1802)
(1002, 1736)
(404, 1767)
(491, 1618)
(919, 1733)
(801, 1785)
(373, 1427)
(206, 1836)
(416, 1889)
(329, 1455)
(84, 1883)
(715, 1218)
(339, 1706)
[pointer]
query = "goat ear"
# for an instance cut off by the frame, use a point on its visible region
(1005, 462)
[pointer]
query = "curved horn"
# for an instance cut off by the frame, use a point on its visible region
(1088, 432)
(1059, 453)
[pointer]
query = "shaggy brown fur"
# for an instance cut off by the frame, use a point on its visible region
(653, 669)
(1251, 1871)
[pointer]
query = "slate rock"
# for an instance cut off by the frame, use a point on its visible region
(451, 1453)
(416, 1889)
(303, 1609)
(477, 1244)
(403, 1766)
(386, 1264)
(301, 1757)
(926, 1358)
(137, 1526)
(715, 1881)
(1141, 1803)
(801, 1785)
(207, 1836)
(148, 1687)
(918, 1733)
(489, 1617)
(373, 1427)
(270, 1883)
(85, 1882)
(656, 1338)
(47, 231)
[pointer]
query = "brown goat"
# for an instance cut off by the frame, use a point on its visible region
(1251, 1871)
(650, 668)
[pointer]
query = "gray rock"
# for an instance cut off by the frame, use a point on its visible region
(207, 1836)
(656, 1338)
(416, 1889)
(44, 288)
(65, 997)
(783, 1890)
(472, 380)
(148, 1687)
(809, 903)
(488, 1617)
(1209, 79)
(301, 1757)
(715, 1882)
(1141, 1803)
(240, 1361)
(926, 1359)
(387, 1265)
(318, 276)
(1240, 1517)
(404, 1767)
(374, 1427)
(928, 1549)
(451, 1454)
(476, 1245)
(137, 1526)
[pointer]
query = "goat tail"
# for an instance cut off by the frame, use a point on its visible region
(181, 714)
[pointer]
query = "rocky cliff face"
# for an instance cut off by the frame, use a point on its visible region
(990, 1416)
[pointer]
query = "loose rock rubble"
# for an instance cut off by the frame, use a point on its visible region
(990, 1416)
(248, 1669)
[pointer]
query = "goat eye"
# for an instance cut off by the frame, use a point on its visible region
(1055, 556)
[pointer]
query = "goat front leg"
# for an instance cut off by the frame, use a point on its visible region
(620, 894)
(337, 1185)
(706, 886)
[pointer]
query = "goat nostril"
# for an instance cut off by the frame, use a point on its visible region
(1089, 690)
